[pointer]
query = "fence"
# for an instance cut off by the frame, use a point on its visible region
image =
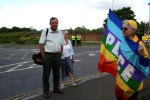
(89, 36)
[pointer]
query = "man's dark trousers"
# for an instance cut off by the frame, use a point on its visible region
(78, 42)
(73, 42)
(51, 61)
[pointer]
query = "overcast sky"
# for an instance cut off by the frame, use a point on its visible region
(71, 13)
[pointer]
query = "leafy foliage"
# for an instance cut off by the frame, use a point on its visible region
(85, 30)
(124, 14)
(142, 27)
(11, 37)
(127, 14)
(17, 29)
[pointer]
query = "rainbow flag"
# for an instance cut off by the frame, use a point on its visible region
(119, 56)
(108, 59)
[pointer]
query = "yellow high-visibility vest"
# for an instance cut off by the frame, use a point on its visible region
(78, 37)
(73, 37)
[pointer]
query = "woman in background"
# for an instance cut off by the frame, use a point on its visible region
(67, 61)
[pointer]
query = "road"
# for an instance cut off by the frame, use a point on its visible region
(19, 75)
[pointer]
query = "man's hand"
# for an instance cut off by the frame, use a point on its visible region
(42, 49)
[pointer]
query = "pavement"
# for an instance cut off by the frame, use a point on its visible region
(95, 88)
(89, 89)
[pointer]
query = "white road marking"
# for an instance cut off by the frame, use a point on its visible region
(16, 68)
(21, 69)
(35, 49)
(91, 54)
(15, 64)
(32, 66)
(97, 51)
(77, 60)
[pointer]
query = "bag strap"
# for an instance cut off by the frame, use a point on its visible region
(46, 32)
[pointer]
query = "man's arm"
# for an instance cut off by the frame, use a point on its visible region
(42, 49)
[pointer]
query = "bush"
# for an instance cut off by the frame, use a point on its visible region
(12, 37)
(28, 40)
(35, 40)
(4, 38)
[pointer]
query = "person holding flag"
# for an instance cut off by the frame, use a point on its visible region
(124, 56)
(129, 31)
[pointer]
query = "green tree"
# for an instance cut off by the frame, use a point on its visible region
(25, 29)
(81, 30)
(15, 29)
(142, 27)
(98, 30)
(4, 30)
(70, 30)
(124, 14)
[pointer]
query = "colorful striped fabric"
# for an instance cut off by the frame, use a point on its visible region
(108, 59)
(119, 56)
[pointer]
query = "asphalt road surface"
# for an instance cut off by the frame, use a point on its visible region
(19, 75)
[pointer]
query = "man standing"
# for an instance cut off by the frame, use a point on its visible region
(51, 47)
(78, 40)
(73, 40)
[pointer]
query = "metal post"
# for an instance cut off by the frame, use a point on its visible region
(100, 86)
(113, 5)
(149, 11)
(148, 30)
(149, 20)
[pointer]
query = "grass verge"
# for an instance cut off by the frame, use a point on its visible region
(83, 43)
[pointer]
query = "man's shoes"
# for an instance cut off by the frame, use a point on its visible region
(60, 91)
(46, 95)
(73, 85)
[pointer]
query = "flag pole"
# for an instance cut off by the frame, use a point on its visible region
(113, 5)
(100, 86)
